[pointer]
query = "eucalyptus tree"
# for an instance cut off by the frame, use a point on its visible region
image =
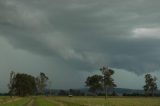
(94, 83)
(41, 82)
(11, 83)
(21, 84)
(151, 86)
(108, 81)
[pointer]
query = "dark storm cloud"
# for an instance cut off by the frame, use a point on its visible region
(86, 34)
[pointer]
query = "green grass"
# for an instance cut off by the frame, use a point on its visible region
(116, 101)
(4, 99)
(41, 101)
(20, 102)
(83, 101)
(66, 103)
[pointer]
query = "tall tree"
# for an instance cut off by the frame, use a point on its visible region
(151, 86)
(108, 81)
(24, 84)
(11, 83)
(94, 83)
(41, 82)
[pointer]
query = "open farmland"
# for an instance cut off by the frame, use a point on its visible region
(80, 101)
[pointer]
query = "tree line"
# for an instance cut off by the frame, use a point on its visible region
(105, 82)
(21, 84)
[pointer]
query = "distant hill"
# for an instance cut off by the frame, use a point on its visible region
(128, 91)
(119, 91)
(85, 91)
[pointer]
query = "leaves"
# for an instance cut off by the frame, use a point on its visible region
(97, 82)
(94, 83)
(24, 84)
(41, 82)
(151, 84)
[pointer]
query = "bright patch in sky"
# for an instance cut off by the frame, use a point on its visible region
(146, 33)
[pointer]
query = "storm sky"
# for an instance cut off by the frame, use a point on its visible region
(71, 39)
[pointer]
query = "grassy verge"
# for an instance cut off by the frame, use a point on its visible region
(20, 102)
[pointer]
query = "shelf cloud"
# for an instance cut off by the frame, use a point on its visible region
(84, 35)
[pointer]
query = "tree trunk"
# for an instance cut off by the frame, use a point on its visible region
(106, 92)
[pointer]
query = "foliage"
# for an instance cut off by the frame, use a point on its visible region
(63, 93)
(41, 82)
(108, 81)
(150, 85)
(75, 92)
(99, 82)
(24, 84)
(94, 83)
(21, 84)
(11, 83)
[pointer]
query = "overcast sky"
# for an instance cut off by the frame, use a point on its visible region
(71, 39)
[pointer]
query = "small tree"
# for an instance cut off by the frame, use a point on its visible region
(11, 83)
(94, 83)
(41, 82)
(151, 86)
(108, 81)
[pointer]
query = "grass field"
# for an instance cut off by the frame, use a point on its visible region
(79, 101)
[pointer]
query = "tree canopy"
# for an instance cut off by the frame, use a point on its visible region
(41, 82)
(150, 85)
(94, 83)
(22, 84)
(99, 82)
(108, 81)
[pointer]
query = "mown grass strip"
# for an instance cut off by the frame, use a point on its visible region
(55, 102)
(67, 103)
(41, 101)
(29, 103)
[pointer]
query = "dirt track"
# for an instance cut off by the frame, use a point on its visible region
(31, 103)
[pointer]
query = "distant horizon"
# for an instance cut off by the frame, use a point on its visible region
(85, 89)
(117, 77)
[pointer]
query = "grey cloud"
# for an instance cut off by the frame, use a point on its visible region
(84, 34)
